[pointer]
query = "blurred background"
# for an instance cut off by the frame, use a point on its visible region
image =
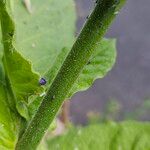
(125, 91)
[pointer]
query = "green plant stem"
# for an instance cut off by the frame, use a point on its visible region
(94, 29)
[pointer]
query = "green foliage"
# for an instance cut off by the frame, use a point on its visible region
(77, 58)
(8, 124)
(18, 81)
(99, 64)
(45, 37)
(42, 34)
(109, 136)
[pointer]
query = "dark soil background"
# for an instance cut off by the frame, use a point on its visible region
(129, 81)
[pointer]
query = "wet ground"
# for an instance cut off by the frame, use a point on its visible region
(129, 81)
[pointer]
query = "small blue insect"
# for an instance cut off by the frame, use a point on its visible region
(42, 81)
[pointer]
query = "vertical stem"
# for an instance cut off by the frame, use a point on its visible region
(91, 34)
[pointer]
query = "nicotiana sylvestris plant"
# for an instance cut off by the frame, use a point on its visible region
(39, 67)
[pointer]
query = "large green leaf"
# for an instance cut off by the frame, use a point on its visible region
(107, 136)
(8, 128)
(9, 123)
(17, 82)
(44, 32)
(21, 80)
(100, 63)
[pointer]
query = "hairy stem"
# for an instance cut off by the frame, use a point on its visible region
(94, 29)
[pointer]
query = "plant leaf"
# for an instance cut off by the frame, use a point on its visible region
(125, 136)
(100, 63)
(9, 123)
(44, 32)
(133, 135)
(20, 78)
(8, 131)
(51, 74)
